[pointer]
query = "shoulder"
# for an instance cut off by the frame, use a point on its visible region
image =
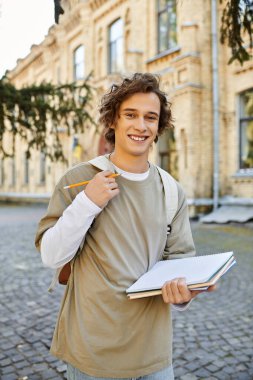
(81, 172)
(164, 174)
(172, 184)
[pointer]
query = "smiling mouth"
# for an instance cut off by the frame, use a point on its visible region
(138, 138)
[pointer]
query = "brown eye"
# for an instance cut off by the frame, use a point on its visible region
(151, 118)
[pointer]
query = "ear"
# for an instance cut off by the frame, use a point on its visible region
(115, 121)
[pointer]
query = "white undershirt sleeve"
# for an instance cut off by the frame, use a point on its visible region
(60, 243)
(181, 307)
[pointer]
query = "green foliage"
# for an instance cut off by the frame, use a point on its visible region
(38, 113)
(237, 19)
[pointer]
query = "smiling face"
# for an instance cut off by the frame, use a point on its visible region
(137, 125)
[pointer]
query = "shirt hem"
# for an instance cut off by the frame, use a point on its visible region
(123, 374)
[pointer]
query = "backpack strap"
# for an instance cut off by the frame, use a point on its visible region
(102, 163)
(171, 196)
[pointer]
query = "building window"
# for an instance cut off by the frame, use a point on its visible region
(12, 172)
(42, 168)
(58, 74)
(1, 172)
(167, 25)
(99, 62)
(26, 170)
(78, 63)
(246, 130)
(168, 153)
(116, 47)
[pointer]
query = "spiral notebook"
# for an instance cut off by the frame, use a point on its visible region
(200, 273)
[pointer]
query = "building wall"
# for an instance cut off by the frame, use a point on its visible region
(235, 181)
(186, 72)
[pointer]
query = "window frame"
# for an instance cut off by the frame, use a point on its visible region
(159, 14)
(42, 172)
(110, 43)
(2, 172)
(12, 172)
(26, 170)
(77, 64)
(242, 120)
(166, 151)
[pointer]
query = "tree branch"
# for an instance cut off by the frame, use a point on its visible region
(237, 20)
(36, 112)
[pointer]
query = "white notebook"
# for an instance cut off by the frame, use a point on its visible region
(196, 270)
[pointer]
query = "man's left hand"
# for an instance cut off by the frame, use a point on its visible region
(177, 292)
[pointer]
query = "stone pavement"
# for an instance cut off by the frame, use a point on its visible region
(212, 340)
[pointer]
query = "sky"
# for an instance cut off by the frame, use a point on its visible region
(22, 24)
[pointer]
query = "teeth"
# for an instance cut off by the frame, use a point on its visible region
(135, 138)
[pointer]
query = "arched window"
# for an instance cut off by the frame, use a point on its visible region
(116, 57)
(167, 152)
(246, 130)
(78, 63)
(167, 24)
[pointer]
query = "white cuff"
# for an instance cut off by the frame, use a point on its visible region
(91, 208)
(181, 306)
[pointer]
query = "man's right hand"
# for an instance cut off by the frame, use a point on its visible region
(101, 189)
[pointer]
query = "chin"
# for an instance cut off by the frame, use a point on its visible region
(139, 152)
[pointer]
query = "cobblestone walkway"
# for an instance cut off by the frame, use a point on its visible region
(212, 340)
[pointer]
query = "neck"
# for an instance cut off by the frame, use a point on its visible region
(132, 164)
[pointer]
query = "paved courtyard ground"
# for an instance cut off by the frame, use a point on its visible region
(212, 340)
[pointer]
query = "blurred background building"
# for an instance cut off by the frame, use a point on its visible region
(175, 39)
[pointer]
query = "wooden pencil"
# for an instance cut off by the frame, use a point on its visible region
(85, 182)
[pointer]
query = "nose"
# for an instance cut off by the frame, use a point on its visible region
(141, 124)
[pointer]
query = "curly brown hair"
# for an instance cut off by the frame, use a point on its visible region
(139, 82)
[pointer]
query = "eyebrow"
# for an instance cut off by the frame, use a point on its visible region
(133, 109)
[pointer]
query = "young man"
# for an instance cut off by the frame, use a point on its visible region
(113, 231)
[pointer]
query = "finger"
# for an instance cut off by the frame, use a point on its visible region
(177, 297)
(166, 292)
(183, 289)
(212, 288)
(194, 293)
(114, 192)
(113, 185)
(105, 173)
(110, 180)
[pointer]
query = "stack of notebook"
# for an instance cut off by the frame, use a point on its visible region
(200, 272)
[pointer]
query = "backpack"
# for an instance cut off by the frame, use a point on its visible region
(171, 200)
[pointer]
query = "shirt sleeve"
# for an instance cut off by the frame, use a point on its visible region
(67, 219)
(60, 243)
(179, 242)
(182, 306)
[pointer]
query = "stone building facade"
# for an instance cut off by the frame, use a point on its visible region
(171, 38)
